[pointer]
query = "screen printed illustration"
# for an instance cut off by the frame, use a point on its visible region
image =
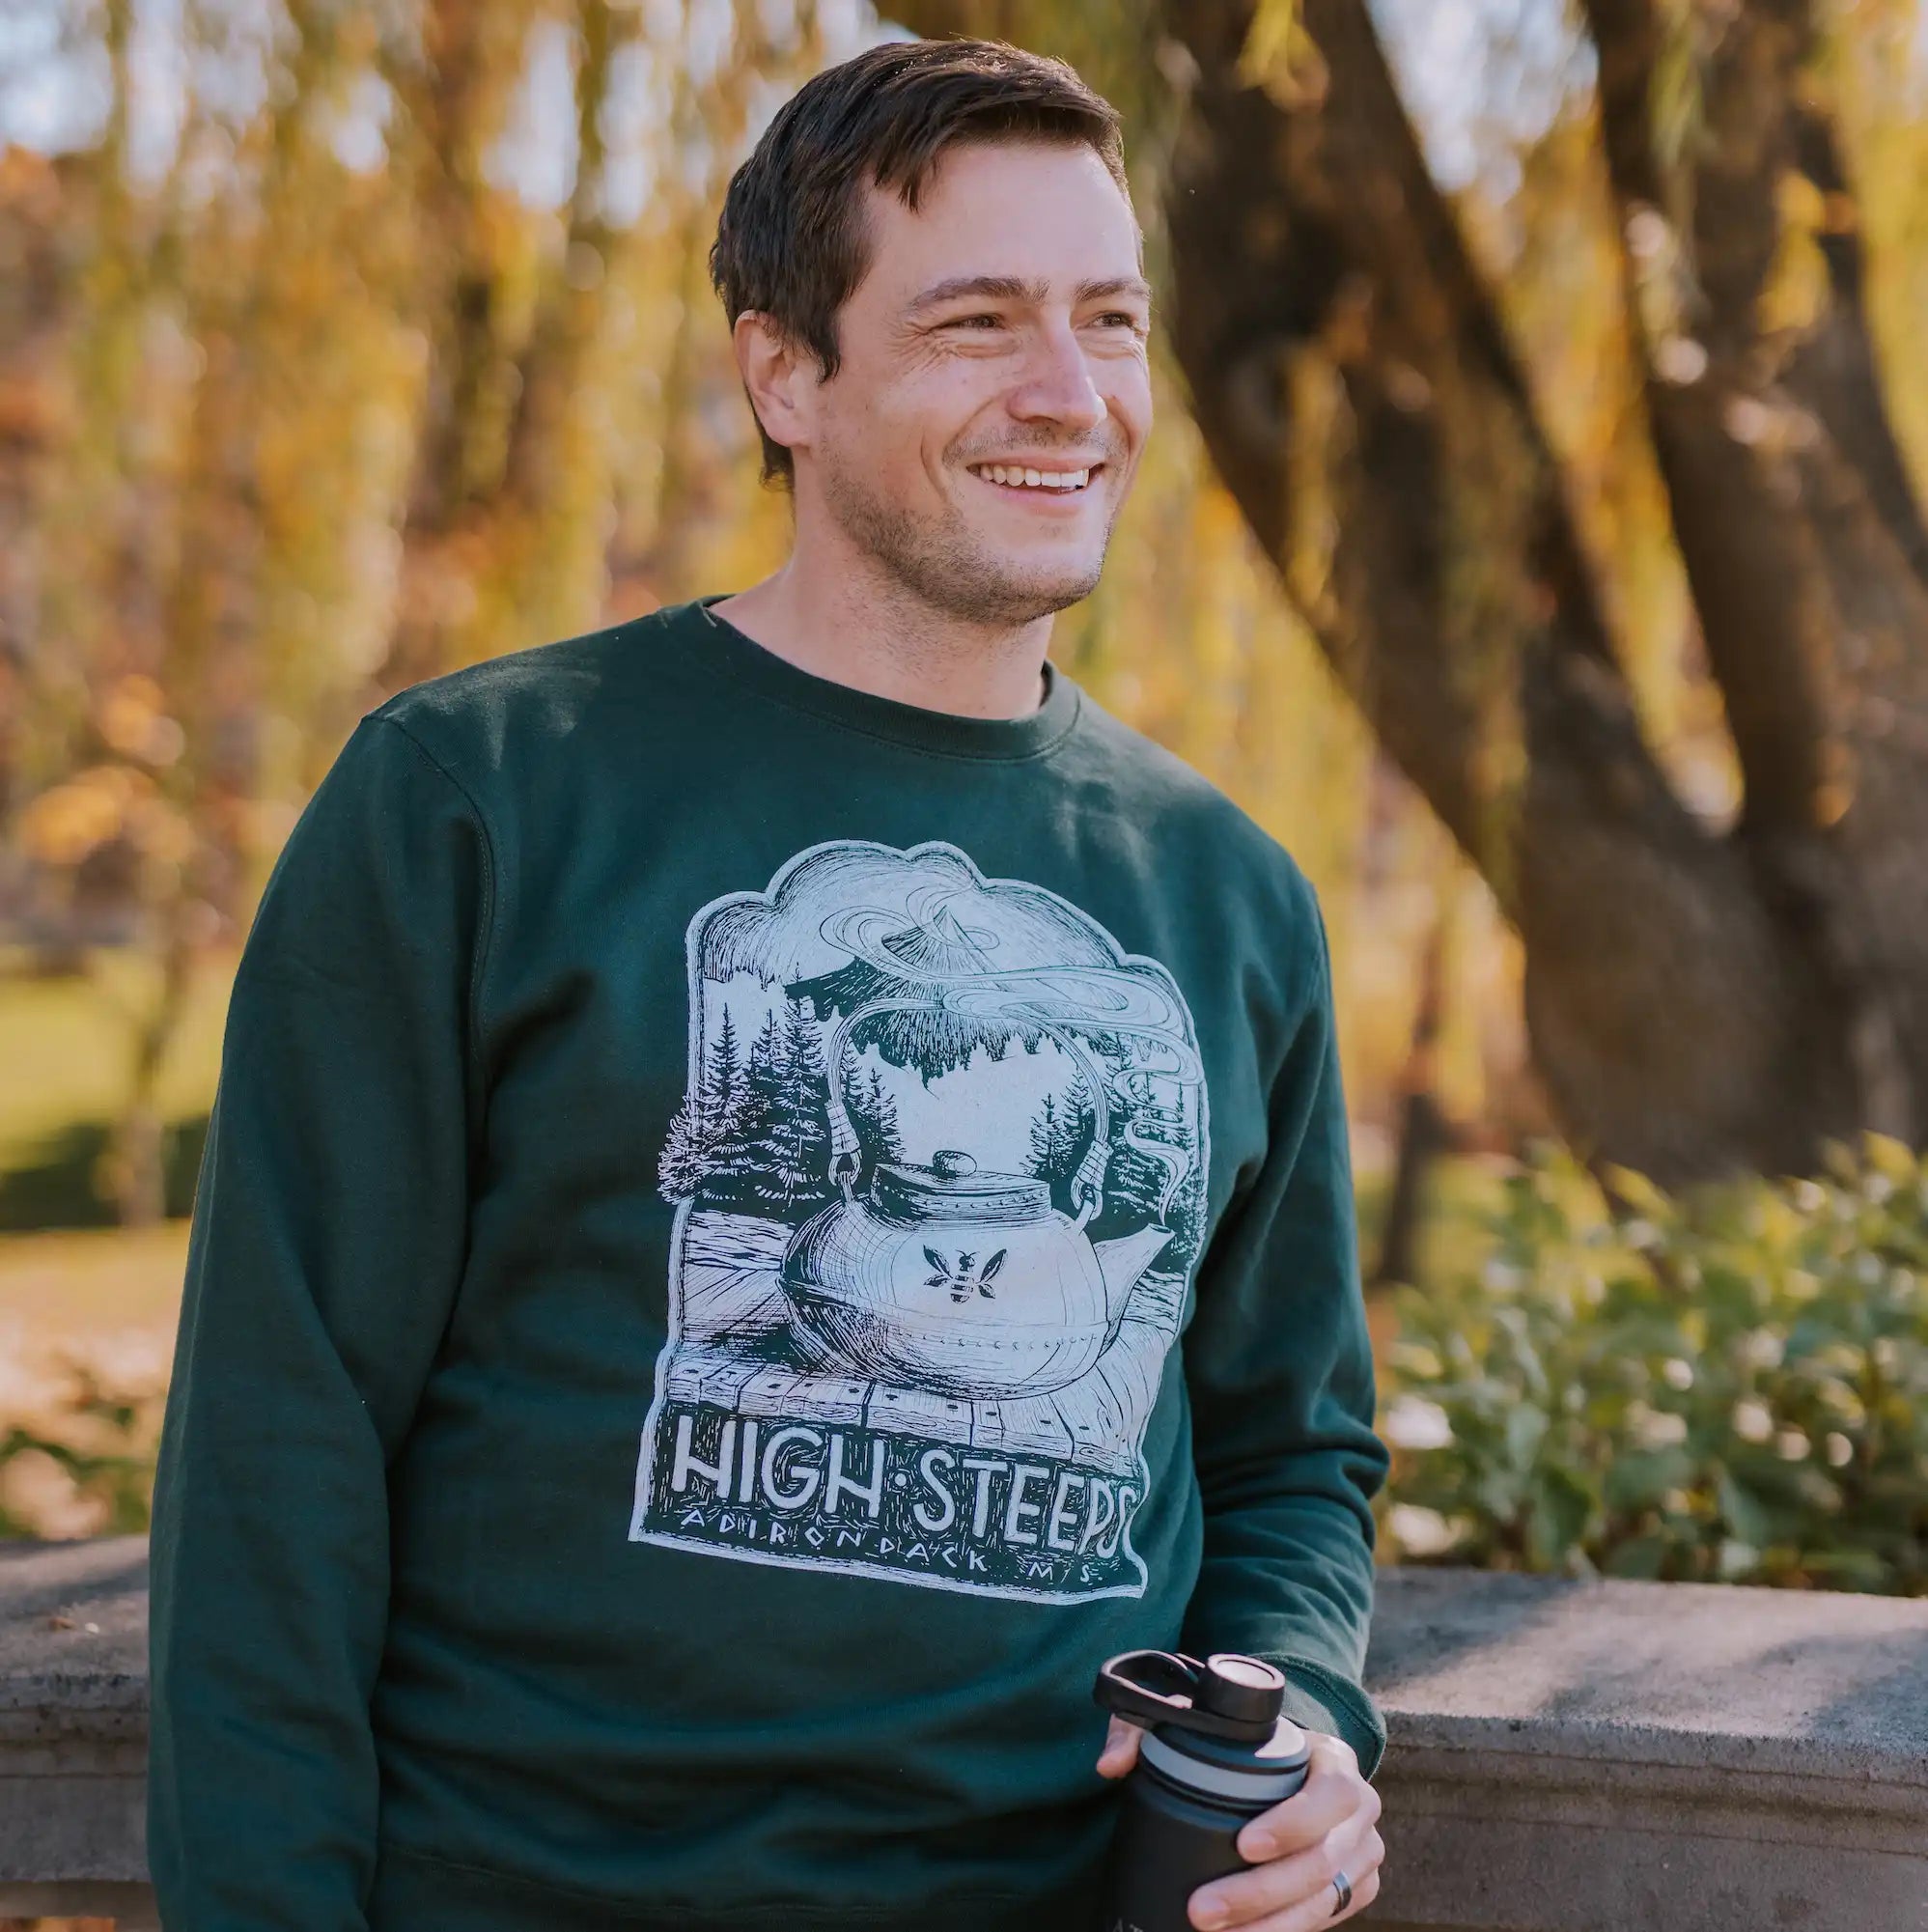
(940, 1176)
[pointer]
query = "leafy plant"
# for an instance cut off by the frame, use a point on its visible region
(1731, 1388)
(96, 1431)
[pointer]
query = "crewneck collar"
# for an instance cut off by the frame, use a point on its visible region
(721, 647)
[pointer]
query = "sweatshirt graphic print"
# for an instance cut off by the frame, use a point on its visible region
(940, 1174)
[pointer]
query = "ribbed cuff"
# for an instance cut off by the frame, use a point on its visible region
(1320, 1699)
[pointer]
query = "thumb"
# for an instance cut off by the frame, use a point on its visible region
(1121, 1750)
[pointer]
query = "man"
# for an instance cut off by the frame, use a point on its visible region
(778, 1190)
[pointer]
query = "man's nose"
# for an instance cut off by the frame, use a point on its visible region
(1057, 386)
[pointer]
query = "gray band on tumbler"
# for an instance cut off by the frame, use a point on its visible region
(1220, 1781)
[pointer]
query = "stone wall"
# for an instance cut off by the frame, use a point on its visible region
(1614, 1757)
(74, 1728)
(1565, 1757)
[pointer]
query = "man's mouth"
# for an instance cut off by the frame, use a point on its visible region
(1057, 481)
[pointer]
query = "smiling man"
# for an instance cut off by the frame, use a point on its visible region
(778, 1190)
(960, 484)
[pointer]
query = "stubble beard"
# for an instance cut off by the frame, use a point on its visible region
(942, 567)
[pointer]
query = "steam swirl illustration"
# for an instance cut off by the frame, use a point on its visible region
(1069, 1004)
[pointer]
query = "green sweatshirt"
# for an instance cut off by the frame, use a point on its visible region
(751, 1235)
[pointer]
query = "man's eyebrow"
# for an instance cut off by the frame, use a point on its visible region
(1118, 285)
(994, 287)
(1012, 289)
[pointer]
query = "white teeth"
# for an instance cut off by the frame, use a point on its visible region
(1012, 475)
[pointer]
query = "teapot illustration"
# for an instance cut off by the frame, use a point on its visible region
(956, 1281)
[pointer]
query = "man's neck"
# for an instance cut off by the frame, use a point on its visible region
(842, 624)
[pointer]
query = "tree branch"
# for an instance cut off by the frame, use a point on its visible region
(1361, 399)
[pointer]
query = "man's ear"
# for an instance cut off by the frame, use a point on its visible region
(780, 378)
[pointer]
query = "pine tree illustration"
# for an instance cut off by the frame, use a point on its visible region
(1186, 1218)
(724, 1086)
(763, 1051)
(1046, 1141)
(1080, 1124)
(799, 1130)
(1137, 1182)
(874, 1115)
(736, 1159)
(1133, 1183)
(1060, 1132)
(711, 1118)
(683, 1162)
(777, 1160)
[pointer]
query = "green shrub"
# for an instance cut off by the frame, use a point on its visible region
(1731, 1388)
(57, 1183)
(97, 1437)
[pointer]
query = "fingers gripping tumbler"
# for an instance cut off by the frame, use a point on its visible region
(1214, 1755)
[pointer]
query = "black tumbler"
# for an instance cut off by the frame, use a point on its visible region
(1214, 1756)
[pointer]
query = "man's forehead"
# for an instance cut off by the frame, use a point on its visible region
(1006, 212)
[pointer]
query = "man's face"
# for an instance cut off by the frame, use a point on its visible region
(993, 397)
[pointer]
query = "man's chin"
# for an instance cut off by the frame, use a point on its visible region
(962, 569)
(1024, 588)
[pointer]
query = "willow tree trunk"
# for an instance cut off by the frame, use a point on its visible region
(1698, 997)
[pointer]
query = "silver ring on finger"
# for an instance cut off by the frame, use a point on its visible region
(1343, 1886)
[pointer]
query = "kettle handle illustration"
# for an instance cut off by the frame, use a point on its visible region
(1087, 1184)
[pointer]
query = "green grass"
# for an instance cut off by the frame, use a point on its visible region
(67, 1048)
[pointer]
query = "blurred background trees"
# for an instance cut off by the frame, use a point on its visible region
(1531, 539)
(346, 344)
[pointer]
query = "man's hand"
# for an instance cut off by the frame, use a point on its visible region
(1328, 1826)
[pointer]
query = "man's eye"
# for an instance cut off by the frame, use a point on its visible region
(976, 322)
(1121, 319)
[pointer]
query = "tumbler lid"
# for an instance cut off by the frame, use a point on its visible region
(1227, 1697)
(1243, 1688)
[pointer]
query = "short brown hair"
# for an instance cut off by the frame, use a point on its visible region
(791, 243)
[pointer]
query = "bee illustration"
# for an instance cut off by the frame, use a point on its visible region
(962, 1276)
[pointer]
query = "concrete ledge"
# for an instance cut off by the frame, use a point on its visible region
(73, 1728)
(1599, 1757)
(1565, 1757)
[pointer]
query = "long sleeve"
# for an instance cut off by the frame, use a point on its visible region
(327, 1245)
(1279, 1368)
